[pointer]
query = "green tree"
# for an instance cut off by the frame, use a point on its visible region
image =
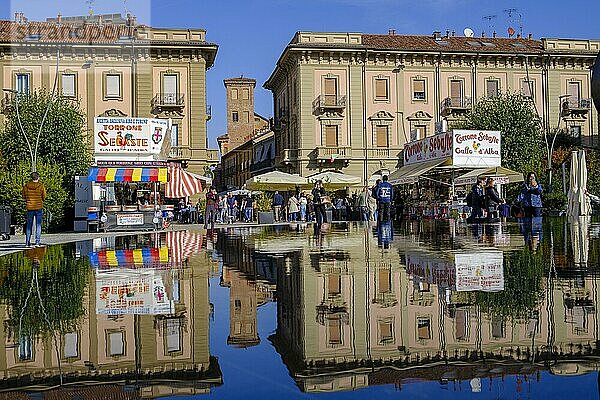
(523, 147)
(62, 153)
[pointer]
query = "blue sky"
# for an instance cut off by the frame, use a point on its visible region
(253, 33)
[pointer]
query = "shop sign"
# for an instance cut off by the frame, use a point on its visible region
(431, 148)
(473, 148)
(132, 292)
(482, 271)
(130, 219)
(430, 269)
(133, 136)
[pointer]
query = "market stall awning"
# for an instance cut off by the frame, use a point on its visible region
(182, 245)
(275, 180)
(411, 173)
(335, 179)
(183, 183)
(127, 175)
(500, 174)
(148, 257)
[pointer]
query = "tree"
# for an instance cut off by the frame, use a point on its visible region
(514, 115)
(63, 150)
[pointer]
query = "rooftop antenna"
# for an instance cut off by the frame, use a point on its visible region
(489, 19)
(127, 12)
(515, 16)
(90, 4)
(468, 32)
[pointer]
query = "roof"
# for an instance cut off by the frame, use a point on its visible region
(240, 79)
(452, 43)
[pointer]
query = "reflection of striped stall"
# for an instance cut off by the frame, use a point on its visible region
(127, 175)
(183, 244)
(148, 257)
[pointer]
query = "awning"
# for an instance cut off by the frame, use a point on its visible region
(183, 245)
(127, 175)
(334, 179)
(500, 174)
(184, 184)
(411, 173)
(148, 257)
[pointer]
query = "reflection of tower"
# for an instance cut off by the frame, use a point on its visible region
(242, 310)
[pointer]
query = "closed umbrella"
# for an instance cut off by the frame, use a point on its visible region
(573, 197)
(579, 240)
(584, 202)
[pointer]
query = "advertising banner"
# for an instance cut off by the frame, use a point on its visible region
(129, 136)
(132, 292)
(432, 148)
(130, 219)
(482, 271)
(476, 149)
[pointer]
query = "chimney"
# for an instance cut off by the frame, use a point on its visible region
(16, 17)
(495, 34)
(21, 17)
(134, 20)
(483, 34)
(518, 36)
(447, 33)
(391, 32)
(530, 36)
(100, 20)
(453, 33)
(59, 18)
(437, 35)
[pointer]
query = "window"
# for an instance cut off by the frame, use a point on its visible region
(423, 328)
(492, 88)
(71, 349)
(382, 135)
(25, 348)
(237, 304)
(247, 117)
(331, 135)
(245, 94)
(385, 281)
(528, 88)
(22, 81)
(420, 132)
(68, 85)
(456, 92)
(330, 91)
(386, 333)
(334, 286)
(234, 116)
(173, 335)
(575, 131)
(116, 343)
(169, 88)
(419, 89)
(498, 328)
(113, 86)
(381, 89)
(574, 90)
(461, 322)
(174, 135)
(334, 331)
(234, 94)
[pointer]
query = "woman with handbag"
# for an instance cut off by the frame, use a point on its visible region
(320, 198)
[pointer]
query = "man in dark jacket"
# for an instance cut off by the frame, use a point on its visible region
(385, 194)
(477, 200)
(492, 200)
(277, 204)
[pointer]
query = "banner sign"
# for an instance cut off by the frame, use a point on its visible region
(132, 292)
(483, 271)
(129, 136)
(130, 219)
(428, 149)
(476, 148)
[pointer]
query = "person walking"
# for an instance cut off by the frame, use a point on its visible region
(293, 208)
(212, 208)
(277, 204)
(231, 208)
(34, 194)
(385, 194)
(477, 200)
(362, 202)
(248, 207)
(530, 196)
(319, 201)
(303, 201)
(492, 200)
(375, 207)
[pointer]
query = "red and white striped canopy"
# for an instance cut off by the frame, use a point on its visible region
(182, 245)
(182, 183)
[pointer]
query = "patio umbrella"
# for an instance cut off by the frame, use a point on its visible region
(275, 180)
(578, 203)
(335, 179)
(584, 203)
(573, 203)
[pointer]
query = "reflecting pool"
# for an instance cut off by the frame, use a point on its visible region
(417, 310)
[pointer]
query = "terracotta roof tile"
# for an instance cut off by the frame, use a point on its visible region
(452, 44)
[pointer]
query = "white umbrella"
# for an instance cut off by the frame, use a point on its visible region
(579, 204)
(275, 180)
(335, 179)
(573, 202)
(584, 202)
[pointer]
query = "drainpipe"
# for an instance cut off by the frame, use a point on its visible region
(364, 100)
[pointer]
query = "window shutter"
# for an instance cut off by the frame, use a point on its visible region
(384, 281)
(331, 136)
(492, 88)
(381, 136)
(68, 85)
(113, 85)
(381, 89)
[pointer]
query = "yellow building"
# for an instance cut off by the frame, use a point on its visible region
(350, 101)
(116, 67)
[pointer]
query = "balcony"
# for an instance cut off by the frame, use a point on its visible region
(575, 105)
(168, 101)
(329, 103)
(384, 152)
(332, 154)
(456, 105)
(208, 112)
(180, 153)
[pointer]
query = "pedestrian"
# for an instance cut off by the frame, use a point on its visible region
(476, 200)
(34, 194)
(231, 208)
(492, 200)
(193, 213)
(293, 208)
(374, 195)
(223, 209)
(385, 194)
(248, 208)
(303, 206)
(530, 196)
(212, 208)
(372, 205)
(320, 198)
(277, 203)
(362, 202)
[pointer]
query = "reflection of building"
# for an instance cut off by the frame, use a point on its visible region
(115, 67)
(106, 346)
(351, 315)
(351, 101)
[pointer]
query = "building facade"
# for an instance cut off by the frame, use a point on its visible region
(350, 101)
(116, 67)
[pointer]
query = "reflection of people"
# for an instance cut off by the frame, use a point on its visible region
(385, 233)
(531, 196)
(318, 194)
(385, 194)
(531, 228)
(34, 194)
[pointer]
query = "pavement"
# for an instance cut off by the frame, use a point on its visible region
(17, 242)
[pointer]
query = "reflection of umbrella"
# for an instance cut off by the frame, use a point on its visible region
(578, 202)
(335, 179)
(579, 240)
(275, 180)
